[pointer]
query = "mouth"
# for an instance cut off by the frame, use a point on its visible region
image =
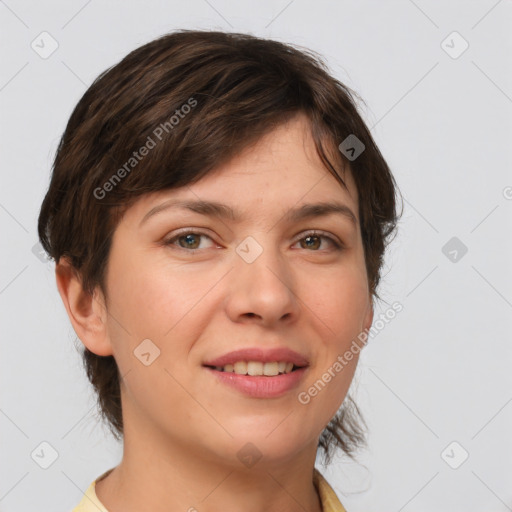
(257, 380)
(259, 373)
(257, 368)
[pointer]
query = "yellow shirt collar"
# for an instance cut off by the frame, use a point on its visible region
(328, 498)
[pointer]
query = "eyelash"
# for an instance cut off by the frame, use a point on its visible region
(313, 233)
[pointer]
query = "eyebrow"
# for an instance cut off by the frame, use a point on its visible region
(223, 211)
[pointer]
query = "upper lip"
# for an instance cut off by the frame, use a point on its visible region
(259, 354)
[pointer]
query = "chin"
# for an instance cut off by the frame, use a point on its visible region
(278, 446)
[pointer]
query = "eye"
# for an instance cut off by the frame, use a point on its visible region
(187, 240)
(313, 239)
(191, 240)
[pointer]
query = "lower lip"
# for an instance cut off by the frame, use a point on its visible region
(261, 386)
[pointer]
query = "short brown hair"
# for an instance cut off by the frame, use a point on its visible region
(243, 87)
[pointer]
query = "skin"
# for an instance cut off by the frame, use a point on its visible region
(183, 428)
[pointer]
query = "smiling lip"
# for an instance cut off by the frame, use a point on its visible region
(259, 354)
(260, 386)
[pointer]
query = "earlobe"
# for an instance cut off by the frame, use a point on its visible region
(86, 312)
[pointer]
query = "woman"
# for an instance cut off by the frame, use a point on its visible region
(218, 214)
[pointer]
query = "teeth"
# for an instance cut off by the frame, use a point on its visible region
(253, 368)
(271, 368)
(240, 367)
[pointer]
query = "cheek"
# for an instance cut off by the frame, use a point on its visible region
(151, 299)
(341, 302)
(339, 307)
(169, 306)
(152, 303)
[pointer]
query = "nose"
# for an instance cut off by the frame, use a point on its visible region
(263, 291)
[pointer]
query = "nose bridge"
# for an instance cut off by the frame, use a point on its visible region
(263, 283)
(260, 258)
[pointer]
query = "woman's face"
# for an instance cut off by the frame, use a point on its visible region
(187, 288)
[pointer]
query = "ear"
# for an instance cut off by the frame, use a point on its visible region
(86, 312)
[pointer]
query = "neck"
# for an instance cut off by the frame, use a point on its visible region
(158, 475)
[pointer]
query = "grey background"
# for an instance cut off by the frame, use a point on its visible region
(438, 373)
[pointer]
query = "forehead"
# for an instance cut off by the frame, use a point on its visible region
(287, 154)
(279, 171)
